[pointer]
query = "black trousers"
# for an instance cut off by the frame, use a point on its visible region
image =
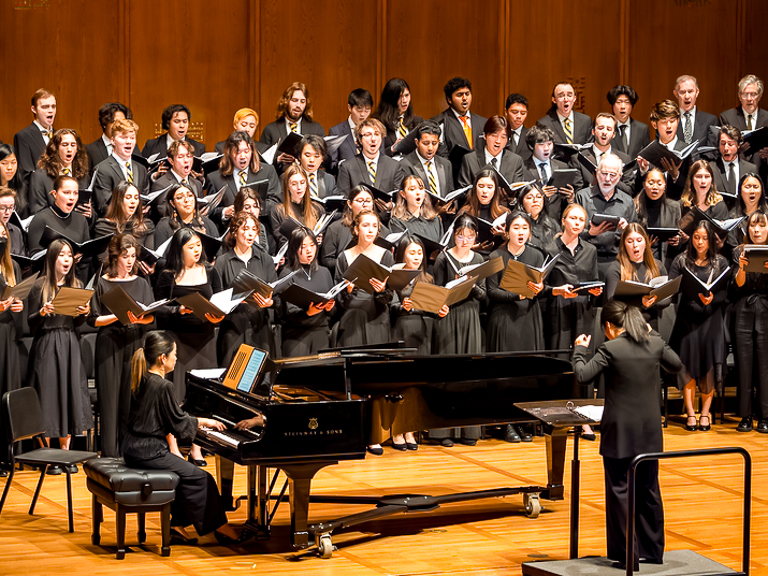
(751, 350)
(197, 496)
(649, 510)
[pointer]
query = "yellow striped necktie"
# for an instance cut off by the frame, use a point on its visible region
(467, 131)
(129, 171)
(66, 172)
(312, 185)
(49, 133)
(431, 178)
(243, 178)
(401, 131)
(372, 171)
(568, 131)
(294, 127)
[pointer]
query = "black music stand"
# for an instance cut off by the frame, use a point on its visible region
(558, 419)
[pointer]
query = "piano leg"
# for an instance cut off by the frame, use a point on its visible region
(556, 443)
(225, 473)
(300, 481)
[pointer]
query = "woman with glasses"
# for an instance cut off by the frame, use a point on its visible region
(184, 213)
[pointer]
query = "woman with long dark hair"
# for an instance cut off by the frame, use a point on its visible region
(395, 111)
(249, 323)
(56, 368)
(656, 210)
(115, 342)
(629, 360)
(187, 271)
(184, 212)
(248, 200)
(10, 176)
(531, 200)
(305, 331)
(751, 199)
(699, 333)
(154, 413)
(125, 215)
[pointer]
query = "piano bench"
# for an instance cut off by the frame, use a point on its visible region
(125, 490)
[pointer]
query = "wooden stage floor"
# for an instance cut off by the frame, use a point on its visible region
(702, 497)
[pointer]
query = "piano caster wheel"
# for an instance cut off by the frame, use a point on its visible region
(532, 505)
(325, 546)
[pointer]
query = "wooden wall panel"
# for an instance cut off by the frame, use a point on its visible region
(330, 47)
(551, 41)
(431, 41)
(183, 52)
(70, 47)
(752, 59)
(668, 39)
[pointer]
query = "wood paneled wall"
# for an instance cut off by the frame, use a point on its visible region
(218, 57)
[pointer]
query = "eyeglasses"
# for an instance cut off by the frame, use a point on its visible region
(7, 208)
(609, 174)
(466, 236)
(363, 201)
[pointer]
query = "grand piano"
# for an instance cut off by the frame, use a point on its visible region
(325, 409)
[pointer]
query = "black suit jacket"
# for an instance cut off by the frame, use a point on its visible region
(326, 184)
(701, 131)
(639, 138)
(29, 145)
(411, 165)
(274, 193)
(511, 167)
(108, 175)
(582, 127)
(158, 146)
(521, 149)
(348, 148)
(168, 179)
(277, 130)
(97, 153)
(260, 147)
(735, 117)
(355, 171)
(453, 132)
(555, 204)
(721, 178)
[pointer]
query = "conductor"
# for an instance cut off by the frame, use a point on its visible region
(630, 360)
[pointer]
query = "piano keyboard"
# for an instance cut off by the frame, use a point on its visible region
(230, 438)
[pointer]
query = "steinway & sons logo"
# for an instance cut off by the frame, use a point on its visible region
(313, 430)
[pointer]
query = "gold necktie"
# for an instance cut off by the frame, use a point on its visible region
(66, 172)
(243, 177)
(372, 172)
(312, 185)
(129, 172)
(749, 121)
(294, 127)
(467, 131)
(401, 131)
(49, 133)
(568, 132)
(431, 178)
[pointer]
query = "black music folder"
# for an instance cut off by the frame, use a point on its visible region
(88, 248)
(692, 286)
(119, 302)
(303, 297)
(757, 256)
(661, 287)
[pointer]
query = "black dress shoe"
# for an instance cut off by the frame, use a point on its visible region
(178, 539)
(691, 427)
(762, 426)
(53, 471)
(411, 445)
(511, 435)
(708, 426)
(468, 441)
(401, 447)
(225, 540)
(375, 450)
(196, 462)
(524, 436)
(745, 425)
(446, 442)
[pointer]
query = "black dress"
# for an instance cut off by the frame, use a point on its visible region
(630, 426)
(513, 324)
(415, 328)
(247, 324)
(613, 277)
(570, 317)
(302, 334)
(10, 367)
(336, 239)
(195, 338)
(165, 229)
(154, 414)
(543, 231)
(56, 369)
(115, 345)
(431, 229)
(699, 335)
(146, 237)
(459, 332)
(365, 317)
(277, 216)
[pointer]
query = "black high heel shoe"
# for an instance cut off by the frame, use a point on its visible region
(691, 427)
(196, 462)
(702, 427)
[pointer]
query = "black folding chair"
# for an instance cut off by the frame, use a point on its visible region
(24, 419)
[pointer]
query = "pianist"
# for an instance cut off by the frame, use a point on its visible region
(155, 414)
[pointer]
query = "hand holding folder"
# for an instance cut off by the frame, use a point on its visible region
(431, 298)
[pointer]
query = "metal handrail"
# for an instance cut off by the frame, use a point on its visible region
(631, 481)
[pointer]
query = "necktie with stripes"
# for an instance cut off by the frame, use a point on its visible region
(372, 171)
(687, 128)
(467, 130)
(568, 131)
(401, 131)
(294, 127)
(431, 178)
(243, 178)
(749, 121)
(66, 172)
(312, 185)
(129, 171)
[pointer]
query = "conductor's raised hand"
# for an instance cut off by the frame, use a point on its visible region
(583, 340)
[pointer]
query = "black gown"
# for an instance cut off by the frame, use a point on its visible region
(415, 328)
(195, 338)
(155, 413)
(365, 317)
(699, 335)
(115, 345)
(613, 277)
(459, 332)
(165, 230)
(277, 215)
(10, 366)
(302, 334)
(513, 324)
(247, 324)
(56, 369)
(431, 229)
(338, 238)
